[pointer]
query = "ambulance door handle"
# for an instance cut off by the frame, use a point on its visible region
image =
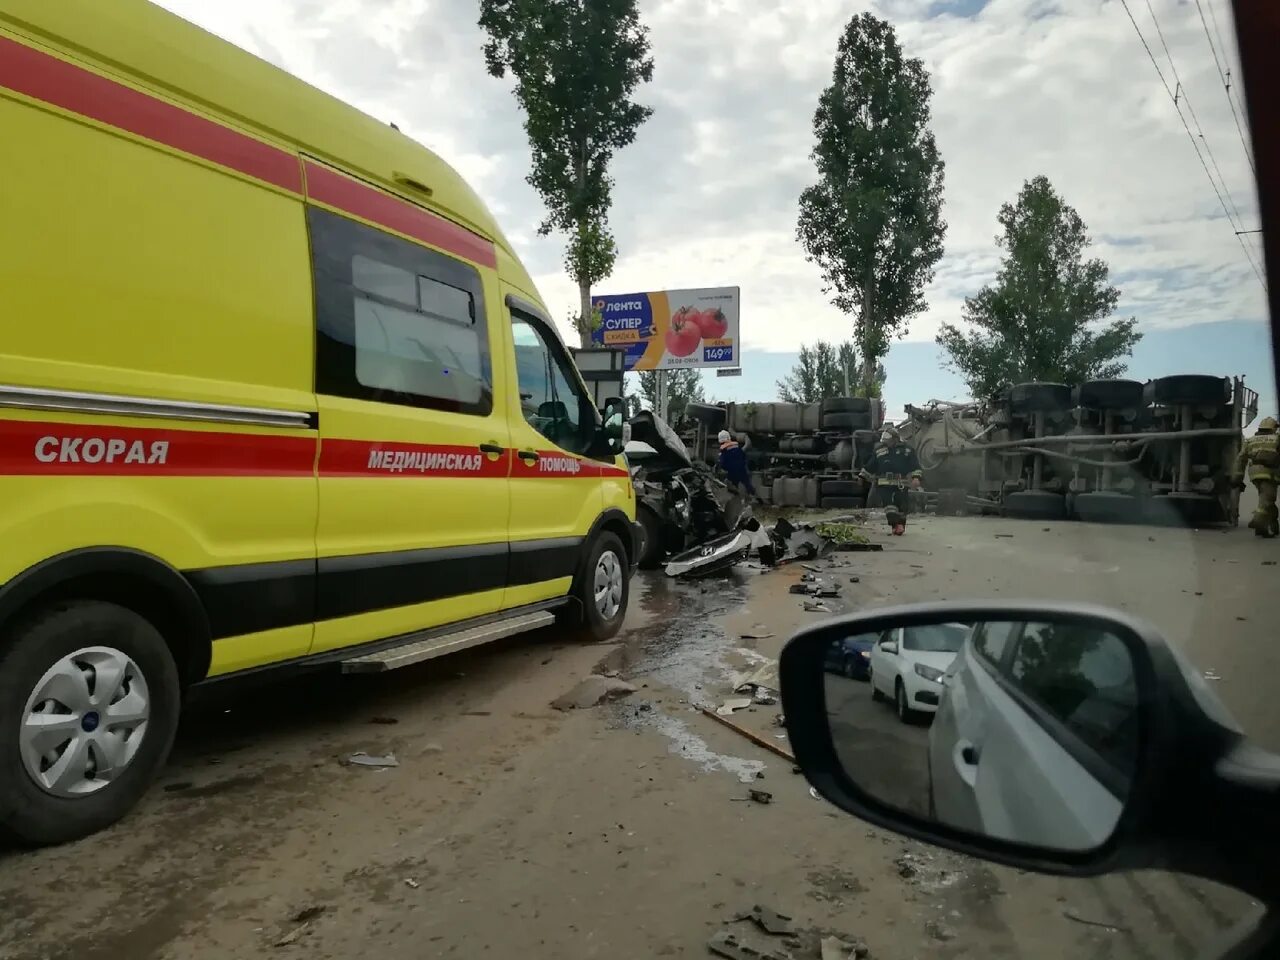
(530, 455)
(493, 448)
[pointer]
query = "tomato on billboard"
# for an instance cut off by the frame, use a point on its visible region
(670, 329)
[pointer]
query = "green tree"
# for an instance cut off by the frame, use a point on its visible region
(1043, 317)
(820, 373)
(576, 64)
(684, 387)
(872, 222)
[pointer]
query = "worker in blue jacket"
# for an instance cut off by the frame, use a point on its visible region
(733, 461)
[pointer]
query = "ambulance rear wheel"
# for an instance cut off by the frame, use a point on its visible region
(89, 702)
(602, 588)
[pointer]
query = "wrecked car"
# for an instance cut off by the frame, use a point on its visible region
(680, 505)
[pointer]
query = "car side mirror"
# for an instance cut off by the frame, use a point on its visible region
(889, 646)
(1069, 740)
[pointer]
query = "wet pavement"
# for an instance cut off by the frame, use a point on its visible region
(510, 828)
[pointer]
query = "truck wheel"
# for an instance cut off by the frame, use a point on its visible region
(1035, 397)
(89, 701)
(1035, 505)
(649, 550)
(846, 421)
(846, 405)
(841, 488)
(1188, 388)
(844, 503)
(1110, 395)
(603, 587)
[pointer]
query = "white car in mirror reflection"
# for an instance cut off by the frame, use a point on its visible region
(1036, 738)
(907, 664)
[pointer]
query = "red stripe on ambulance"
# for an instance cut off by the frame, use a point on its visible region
(361, 458)
(30, 448)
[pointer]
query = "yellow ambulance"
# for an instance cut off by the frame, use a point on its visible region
(275, 391)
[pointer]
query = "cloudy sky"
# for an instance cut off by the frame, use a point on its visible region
(707, 195)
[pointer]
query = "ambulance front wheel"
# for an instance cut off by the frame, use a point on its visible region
(602, 588)
(89, 702)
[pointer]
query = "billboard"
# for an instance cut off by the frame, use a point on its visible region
(670, 329)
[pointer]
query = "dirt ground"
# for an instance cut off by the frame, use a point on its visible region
(510, 829)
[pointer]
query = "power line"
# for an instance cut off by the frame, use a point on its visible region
(1195, 145)
(1225, 77)
(1179, 89)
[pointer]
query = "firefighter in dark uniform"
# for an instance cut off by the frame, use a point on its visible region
(1262, 456)
(893, 471)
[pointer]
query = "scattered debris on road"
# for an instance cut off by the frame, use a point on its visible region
(1211, 675)
(729, 706)
(816, 606)
(759, 796)
(939, 931)
(362, 759)
(1072, 915)
(1004, 536)
(754, 636)
(833, 948)
(813, 792)
(593, 690)
(755, 738)
(411, 883)
(725, 944)
(770, 921)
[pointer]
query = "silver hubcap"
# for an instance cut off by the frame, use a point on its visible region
(84, 721)
(608, 585)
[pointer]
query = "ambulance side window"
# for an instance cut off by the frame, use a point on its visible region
(396, 322)
(550, 398)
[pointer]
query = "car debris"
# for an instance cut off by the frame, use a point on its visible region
(816, 606)
(764, 699)
(770, 921)
(714, 556)
(760, 796)
(725, 944)
(727, 708)
(834, 948)
(411, 883)
(362, 759)
(593, 690)
(755, 738)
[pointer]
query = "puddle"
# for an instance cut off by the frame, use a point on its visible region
(687, 744)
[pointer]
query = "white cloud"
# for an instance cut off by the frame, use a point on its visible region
(707, 194)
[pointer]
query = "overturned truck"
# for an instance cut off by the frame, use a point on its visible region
(1118, 451)
(801, 454)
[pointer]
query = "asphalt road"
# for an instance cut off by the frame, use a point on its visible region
(624, 830)
(884, 756)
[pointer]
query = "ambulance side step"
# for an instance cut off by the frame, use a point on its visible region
(439, 644)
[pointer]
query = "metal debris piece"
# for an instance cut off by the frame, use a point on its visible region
(1004, 536)
(1211, 675)
(754, 636)
(799, 588)
(729, 706)
(725, 944)
(411, 883)
(293, 935)
(1072, 915)
(811, 568)
(816, 606)
(770, 921)
(764, 699)
(591, 691)
(362, 759)
(813, 792)
(831, 591)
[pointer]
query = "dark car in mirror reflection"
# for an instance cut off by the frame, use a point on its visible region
(851, 656)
